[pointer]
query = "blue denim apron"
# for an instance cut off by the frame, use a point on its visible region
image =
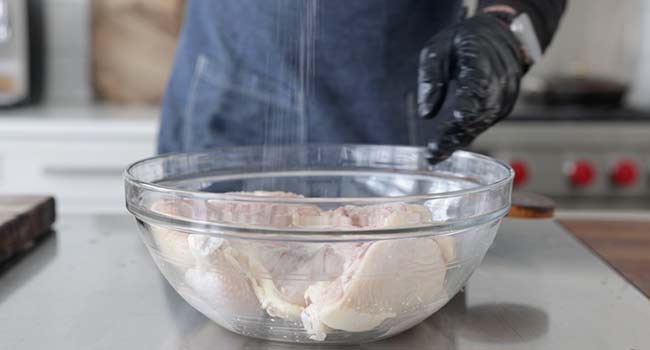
(308, 71)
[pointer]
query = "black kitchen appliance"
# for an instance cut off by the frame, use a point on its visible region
(21, 51)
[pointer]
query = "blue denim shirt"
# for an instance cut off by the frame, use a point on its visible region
(277, 72)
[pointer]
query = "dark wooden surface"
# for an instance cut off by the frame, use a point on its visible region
(625, 245)
(529, 205)
(22, 220)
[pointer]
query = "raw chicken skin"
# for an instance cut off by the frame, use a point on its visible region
(282, 272)
(447, 246)
(381, 216)
(273, 275)
(262, 214)
(352, 287)
(218, 278)
(375, 287)
(172, 245)
(213, 274)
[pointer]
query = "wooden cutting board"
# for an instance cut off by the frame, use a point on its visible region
(23, 219)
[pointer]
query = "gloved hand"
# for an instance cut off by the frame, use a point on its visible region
(486, 62)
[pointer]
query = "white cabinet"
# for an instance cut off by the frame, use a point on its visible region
(78, 155)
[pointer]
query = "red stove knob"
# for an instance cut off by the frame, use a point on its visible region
(624, 173)
(521, 172)
(581, 173)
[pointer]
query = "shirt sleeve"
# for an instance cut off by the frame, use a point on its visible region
(544, 14)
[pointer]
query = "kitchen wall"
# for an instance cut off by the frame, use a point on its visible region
(67, 44)
(596, 37)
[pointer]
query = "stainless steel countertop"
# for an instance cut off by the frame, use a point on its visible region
(92, 285)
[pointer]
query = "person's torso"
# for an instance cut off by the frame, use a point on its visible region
(282, 71)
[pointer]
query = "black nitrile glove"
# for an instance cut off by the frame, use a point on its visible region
(485, 61)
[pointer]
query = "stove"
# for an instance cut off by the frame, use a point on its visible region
(580, 162)
(93, 285)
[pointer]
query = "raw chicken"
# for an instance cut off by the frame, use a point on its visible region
(374, 287)
(172, 245)
(390, 216)
(276, 215)
(447, 246)
(218, 279)
(353, 287)
(282, 272)
(380, 216)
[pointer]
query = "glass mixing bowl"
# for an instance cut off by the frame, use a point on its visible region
(322, 244)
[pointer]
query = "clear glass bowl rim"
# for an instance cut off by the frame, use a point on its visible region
(188, 224)
(133, 180)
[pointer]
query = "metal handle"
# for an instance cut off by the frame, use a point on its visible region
(5, 24)
(72, 171)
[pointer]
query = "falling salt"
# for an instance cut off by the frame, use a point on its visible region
(289, 126)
